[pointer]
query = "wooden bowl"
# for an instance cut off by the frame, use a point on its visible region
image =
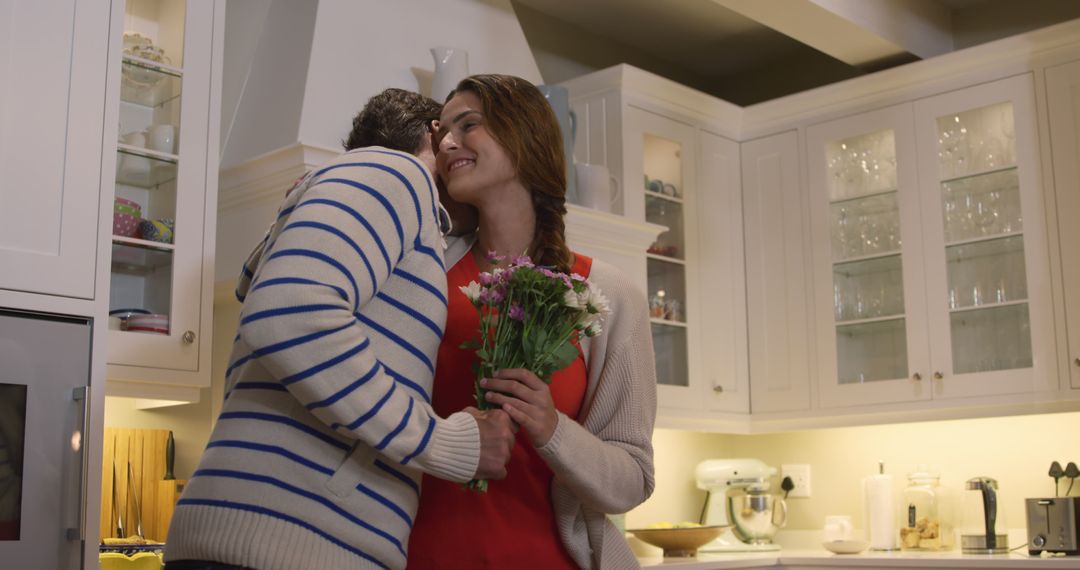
(678, 541)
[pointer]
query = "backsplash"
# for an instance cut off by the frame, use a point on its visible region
(1017, 451)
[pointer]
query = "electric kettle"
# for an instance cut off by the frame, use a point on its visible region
(983, 530)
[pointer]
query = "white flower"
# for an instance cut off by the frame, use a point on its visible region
(593, 329)
(471, 291)
(595, 301)
(571, 299)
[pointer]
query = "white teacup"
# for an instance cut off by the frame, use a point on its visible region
(596, 187)
(162, 138)
(838, 527)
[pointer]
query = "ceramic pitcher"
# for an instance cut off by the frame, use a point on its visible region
(451, 66)
(559, 99)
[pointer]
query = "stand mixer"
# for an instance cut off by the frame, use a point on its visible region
(739, 499)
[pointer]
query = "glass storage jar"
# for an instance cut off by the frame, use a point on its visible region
(926, 524)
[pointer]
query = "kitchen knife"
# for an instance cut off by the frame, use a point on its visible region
(170, 456)
(116, 504)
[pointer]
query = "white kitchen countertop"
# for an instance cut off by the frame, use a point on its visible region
(821, 558)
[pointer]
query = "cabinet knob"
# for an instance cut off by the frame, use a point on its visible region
(1076, 361)
(189, 337)
(916, 376)
(938, 375)
(718, 389)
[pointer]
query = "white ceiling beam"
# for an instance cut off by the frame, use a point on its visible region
(857, 32)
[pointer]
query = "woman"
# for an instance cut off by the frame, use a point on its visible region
(584, 448)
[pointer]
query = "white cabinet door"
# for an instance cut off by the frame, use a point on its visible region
(868, 267)
(776, 286)
(53, 60)
(166, 179)
(662, 151)
(991, 325)
(1063, 99)
(722, 317)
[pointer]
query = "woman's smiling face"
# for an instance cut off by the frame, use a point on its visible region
(470, 160)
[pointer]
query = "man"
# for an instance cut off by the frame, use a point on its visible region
(316, 458)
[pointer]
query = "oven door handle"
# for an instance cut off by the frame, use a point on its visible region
(81, 393)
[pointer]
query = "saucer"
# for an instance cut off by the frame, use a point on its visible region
(845, 546)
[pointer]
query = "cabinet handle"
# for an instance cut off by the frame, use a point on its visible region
(916, 376)
(1076, 361)
(718, 389)
(938, 376)
(189, 337)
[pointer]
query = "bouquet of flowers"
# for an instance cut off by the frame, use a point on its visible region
(530, 317)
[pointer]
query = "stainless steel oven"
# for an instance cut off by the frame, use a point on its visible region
(44, 386)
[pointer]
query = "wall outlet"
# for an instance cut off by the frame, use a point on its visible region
(800, 475)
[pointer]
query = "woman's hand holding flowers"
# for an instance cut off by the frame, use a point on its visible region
(526, 399)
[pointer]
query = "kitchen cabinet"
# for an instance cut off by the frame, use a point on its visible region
(1063, 105)
(676, 171)
(54, 58)
(161, 286)
(930, 261)
(776, 284)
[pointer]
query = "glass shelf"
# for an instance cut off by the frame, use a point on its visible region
(871, 351)
(653, 195)
(667, 322)
(862, 196)
(669, 213)
(991, 338)
(868, 289)
(669, 343)
(981, 205)
(663, 258)
(148, 83)
(865, 226)
(144, 168)
(980, 174)
(984, 272)
(139, 257)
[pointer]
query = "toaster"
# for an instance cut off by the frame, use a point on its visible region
(1052, 525)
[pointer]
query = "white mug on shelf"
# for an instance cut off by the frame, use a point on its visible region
(162, 138)
(596, 187)
(133, 169)
(838, 527)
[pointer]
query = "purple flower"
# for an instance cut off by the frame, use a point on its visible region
(517, 312)
(522, 260)
(566, 281)
(486, 279)
(496, 295)
(493, 257)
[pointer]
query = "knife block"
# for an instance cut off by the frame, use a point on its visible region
(168, 492)
(144, 451)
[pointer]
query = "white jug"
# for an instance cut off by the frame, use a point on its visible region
(596, 187)
(451, 66)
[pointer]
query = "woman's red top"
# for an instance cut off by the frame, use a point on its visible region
(513, 524)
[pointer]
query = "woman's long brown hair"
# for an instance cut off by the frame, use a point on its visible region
(519, 117)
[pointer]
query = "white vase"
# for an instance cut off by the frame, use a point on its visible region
(451, 66)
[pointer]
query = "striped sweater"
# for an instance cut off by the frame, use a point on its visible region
(316, 457)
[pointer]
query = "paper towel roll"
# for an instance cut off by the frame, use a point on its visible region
(880, 512)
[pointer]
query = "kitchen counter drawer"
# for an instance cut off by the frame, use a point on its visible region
(820, 559)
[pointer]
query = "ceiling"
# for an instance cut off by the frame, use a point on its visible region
(748, 51)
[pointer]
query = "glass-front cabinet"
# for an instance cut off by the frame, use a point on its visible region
(664, 149)
(931, 273)
(159, 209)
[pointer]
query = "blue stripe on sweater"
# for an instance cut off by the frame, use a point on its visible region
(272, 386)
(427, 178)
(423, 442)
(385, 502)
(348, 240)
(282, 516)
(266, 479)
(401, 425)
(299, 281)
(420, 283)
(324, 258)
(333, 398)
(284, 420)
(382, 200)
(398, 475)
(370, 413)
(263, 351)
(419, 354)
(269, 313)
(308, 373)
(412, 313)
(398, 377)
(360, 219)
(272, 449)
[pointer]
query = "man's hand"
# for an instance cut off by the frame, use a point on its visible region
(496, 441)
